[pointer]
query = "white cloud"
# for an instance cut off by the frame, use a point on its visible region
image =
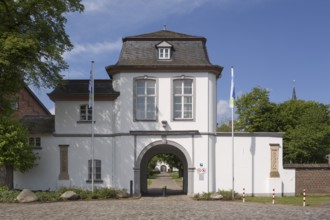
(139, 7)
(137, 12)
(223, 110)
(94, 48)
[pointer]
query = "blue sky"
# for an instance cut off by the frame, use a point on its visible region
(270, 43)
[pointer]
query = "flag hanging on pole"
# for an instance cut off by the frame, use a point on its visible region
(91, 90)
(232, 90)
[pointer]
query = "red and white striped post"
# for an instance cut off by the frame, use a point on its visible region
(304, 203)
(273, 196)
(243, 194)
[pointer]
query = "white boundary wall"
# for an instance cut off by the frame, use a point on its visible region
(252, 163)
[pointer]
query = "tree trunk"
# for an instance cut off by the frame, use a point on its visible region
(7, 177)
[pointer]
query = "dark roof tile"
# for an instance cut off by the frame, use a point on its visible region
(78, 90)
(39, 124)
(140, 52)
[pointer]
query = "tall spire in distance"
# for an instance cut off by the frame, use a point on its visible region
(294, 97)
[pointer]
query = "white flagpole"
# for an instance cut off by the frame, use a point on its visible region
(232, 105)
(92, 125)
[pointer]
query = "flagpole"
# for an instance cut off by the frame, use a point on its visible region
(232, 105)
(92, 125)
(233, 145)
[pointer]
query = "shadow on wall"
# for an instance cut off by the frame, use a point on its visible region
(253, 152)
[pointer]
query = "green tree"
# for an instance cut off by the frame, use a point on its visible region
(32, 42)
(306, 124)
(172, 161)
(15, 152)
(307, 131)
(255, 112)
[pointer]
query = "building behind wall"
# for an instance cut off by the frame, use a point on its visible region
(26, 105)
(161, 98)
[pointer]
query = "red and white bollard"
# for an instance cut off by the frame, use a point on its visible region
(273, 196)
(243, 194)
(304, 203)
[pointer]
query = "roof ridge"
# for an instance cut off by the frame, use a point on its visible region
(163, 34)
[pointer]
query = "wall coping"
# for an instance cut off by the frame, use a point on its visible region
(307, 166)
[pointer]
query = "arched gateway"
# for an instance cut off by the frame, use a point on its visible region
(158, 147)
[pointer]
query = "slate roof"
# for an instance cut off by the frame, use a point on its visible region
(78, 90)
(39, 124)
(139, 53)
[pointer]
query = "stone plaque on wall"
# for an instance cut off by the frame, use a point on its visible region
(64, 171)
(274, 156)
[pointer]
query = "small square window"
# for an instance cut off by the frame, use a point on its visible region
(164, 53)
(96, 168)
(14, 104)
(85, 113)
(35, 142)
(164, 50)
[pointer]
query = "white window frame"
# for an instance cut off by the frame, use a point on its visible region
(185, 114)
(35, 142)
(164, 53)
(85, 113)
(97, 166)
(145, 96)
(164, 50)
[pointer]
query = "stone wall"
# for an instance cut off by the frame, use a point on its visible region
(314, 178)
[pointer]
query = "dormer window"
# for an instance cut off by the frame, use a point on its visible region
(164, 50)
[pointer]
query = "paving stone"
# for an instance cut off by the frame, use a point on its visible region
(171, 207)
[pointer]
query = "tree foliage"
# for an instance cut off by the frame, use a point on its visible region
(255, 111)
(307, 127)
(171, 160)
(306, 124)
(32, 42)
(15, 151)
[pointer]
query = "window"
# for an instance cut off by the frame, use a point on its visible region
(164, 50)
(85, 113)
(145, 99)
(97, 170)
(14, 104)
(35, 142)
(164, 53)
(183, 99)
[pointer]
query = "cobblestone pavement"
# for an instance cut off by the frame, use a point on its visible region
(171, 207)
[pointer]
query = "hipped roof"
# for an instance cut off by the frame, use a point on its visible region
(139, 54)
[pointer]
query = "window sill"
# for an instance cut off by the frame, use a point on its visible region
(183, 119)
(95, 181)
(85, 122)
(36, 148)
(145, 120)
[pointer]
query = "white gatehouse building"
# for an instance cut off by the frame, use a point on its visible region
(160, 98)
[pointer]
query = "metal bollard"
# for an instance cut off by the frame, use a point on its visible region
(304, 201)
(164, 190)
(131, 188)
(243, 194)
(273, 196)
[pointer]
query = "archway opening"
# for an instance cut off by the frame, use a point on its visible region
(165, 175)
(161, 151)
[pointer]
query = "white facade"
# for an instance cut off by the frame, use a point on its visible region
(118, 147)
(124, 145)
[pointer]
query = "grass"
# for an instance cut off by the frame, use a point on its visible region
(311, 200)
(175, 177)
